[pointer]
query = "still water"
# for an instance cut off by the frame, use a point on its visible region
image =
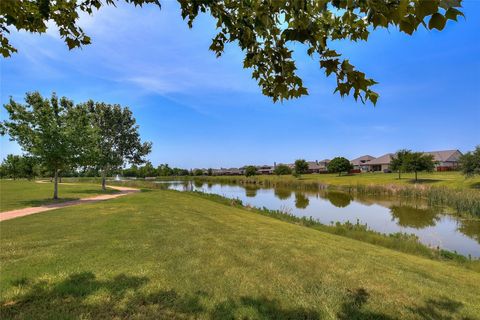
(434, 226)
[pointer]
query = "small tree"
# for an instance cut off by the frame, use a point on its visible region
(398, 161)
(52, 130)
(28, 167)
(198, 172)
(470, 162)
(301, 166)
(282, 169)
(117, 139)
(11, 166)
(147, 170)
(250, 171)
(339, 165)
(419, 161)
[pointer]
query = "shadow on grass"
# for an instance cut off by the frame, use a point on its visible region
(475, 185)
(423, 181)
(82, 295)
(42, 202)
(48, 201)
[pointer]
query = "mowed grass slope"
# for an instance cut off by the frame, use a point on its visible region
(16, 194)
(166, 254)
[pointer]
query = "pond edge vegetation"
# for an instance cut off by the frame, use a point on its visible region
(462, 201)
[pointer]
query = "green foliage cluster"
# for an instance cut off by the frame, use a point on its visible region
(301, 166)
(62, 136)
(339, 165)
(407, 161)
(282, 169)
(266, 31)
(250, 171)
(470, 162)
(15, 166)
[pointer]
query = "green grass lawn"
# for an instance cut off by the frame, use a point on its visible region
(439, 179)
(22, 193)
(171, 255)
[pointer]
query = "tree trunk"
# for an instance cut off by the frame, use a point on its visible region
(399, 176)
(55, 185)
(416, 176)
(104, 173)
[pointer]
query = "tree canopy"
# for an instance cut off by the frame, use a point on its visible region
(282, 169)
(301, 166)
(398, 161)
(52, 130)
(250, 171)
(116, 139)
(470, 162)
(265, 30)
(418, 161)
(339, 165)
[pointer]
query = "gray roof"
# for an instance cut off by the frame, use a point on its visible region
(385, 159)
(361, 160)
(445, 155)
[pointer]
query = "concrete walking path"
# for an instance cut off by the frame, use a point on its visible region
(12, 214)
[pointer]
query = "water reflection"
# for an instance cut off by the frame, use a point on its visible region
(408, 216)
(338, 199)
(301, 200)
(470, 228)
(282, 194)
(251, 192)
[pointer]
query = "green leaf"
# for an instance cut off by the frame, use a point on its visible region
(406, 27)
(426, 7)
(437, 21)
(452, 14)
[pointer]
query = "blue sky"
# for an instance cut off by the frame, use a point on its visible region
(200, 111)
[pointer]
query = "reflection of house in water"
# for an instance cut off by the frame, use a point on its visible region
(408, 216)
(301, 200)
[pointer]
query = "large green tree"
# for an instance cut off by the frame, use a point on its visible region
(53, 130)
(282, 169)
(116, 139)
(398, 161)
(266, 31)
(419, 161)
(339, 165)
(301, 166)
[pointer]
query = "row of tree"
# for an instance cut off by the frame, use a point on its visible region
(61, 136)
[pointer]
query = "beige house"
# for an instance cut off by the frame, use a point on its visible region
(381, 163)
(446, 160)
(361, 163)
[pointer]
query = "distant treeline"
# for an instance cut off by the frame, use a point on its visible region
(27, 167)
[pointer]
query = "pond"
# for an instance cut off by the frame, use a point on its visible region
(434, 226)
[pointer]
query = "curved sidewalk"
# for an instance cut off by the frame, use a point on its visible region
(7, 215)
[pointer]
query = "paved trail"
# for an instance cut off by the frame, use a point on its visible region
(7, 215)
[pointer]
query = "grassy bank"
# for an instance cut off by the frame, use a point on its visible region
(407, 243)
(165, 254)
(16, 194)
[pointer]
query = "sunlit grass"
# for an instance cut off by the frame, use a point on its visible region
(165, 254)
(16, 194)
